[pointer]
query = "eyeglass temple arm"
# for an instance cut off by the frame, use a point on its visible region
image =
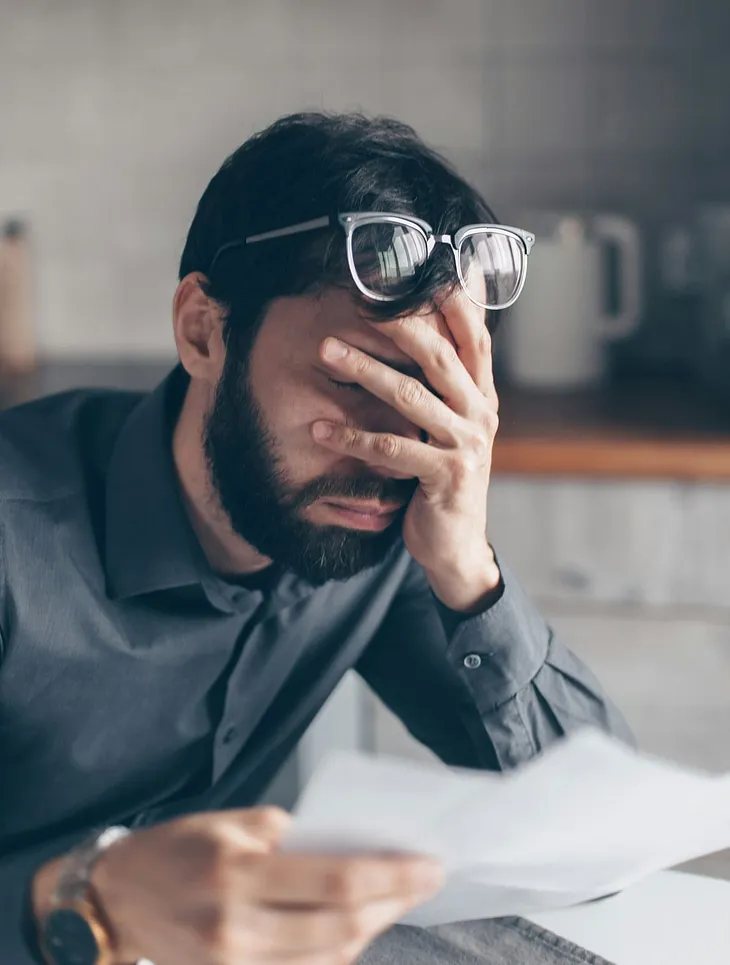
(267, 235)
(325, 221)
(294, 229)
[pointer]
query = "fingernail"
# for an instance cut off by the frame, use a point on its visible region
(322, 430)
(334, 349)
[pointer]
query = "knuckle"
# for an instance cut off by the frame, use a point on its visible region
(268, 817)
(465, 464)
(387, 445)
(484, 341)
(350, 438)
(491, 420)
(410, 392)
(443, 353)
(361, 362)
(460, 467)
(480, 448)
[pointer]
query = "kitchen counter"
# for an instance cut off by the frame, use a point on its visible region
(652, 428)
(649, 428)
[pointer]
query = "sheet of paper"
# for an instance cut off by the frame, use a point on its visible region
(585, 819)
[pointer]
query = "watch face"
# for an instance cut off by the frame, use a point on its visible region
(68, 938)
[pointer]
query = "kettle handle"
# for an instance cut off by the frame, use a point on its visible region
(624, 234)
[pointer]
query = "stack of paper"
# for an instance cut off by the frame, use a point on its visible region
(585, 819)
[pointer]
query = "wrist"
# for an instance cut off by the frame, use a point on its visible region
(103, 881)
(69, 916)
(467, 588)
(42, 888)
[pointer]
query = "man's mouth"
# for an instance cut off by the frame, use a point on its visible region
(363, 514)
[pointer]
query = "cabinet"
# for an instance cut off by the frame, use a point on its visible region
(649, 544)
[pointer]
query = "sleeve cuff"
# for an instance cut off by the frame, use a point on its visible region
(498, 652)
(451, 620)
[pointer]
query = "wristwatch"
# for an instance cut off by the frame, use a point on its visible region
(74, 932)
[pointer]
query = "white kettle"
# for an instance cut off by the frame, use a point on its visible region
(556, 332)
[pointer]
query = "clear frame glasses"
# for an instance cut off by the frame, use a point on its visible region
(386, 252)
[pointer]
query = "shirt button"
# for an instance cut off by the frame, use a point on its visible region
(229, 735)
(472, 661)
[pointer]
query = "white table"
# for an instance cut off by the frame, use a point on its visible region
(670, 918)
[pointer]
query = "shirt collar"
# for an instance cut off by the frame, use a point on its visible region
(150, 544)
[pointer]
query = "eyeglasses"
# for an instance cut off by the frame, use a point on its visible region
(386, 252)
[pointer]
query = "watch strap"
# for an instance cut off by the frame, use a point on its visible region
(74, 880)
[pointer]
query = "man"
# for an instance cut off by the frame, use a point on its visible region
(186, 576)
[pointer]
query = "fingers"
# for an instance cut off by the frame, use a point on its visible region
(286, 878)
(313, 908)
(287, 931)
(404, 393)
(438, 357)
(467, 324)
(405, 458)
(211, 888)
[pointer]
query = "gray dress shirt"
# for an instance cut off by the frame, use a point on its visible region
(136, 685)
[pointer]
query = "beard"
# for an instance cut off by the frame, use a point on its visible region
(250, 483)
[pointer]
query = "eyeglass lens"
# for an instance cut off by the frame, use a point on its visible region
(491, 267)
(387, 258)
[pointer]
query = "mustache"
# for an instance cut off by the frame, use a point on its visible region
(355, 487)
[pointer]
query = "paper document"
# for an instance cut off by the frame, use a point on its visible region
(585, 819)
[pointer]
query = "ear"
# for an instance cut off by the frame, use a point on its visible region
(198, 326)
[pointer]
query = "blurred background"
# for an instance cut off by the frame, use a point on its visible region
(602, 125)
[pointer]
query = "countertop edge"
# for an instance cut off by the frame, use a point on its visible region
(690, 460)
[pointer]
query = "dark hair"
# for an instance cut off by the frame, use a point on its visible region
(305, 166)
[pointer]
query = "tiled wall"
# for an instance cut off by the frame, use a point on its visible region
(114, 115)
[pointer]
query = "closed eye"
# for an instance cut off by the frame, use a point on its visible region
(352, 386)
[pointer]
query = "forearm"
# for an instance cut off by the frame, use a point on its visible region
(528, 687)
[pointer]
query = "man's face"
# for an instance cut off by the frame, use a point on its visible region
(319, 514)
